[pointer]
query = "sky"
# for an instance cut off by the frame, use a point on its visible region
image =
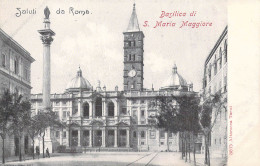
(94, 41)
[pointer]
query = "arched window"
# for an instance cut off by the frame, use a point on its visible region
(99, 106)
(225, 50)
(133, 57)
(111, 109)
(86, 110)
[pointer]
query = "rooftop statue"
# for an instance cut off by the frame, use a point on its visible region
(47, 12)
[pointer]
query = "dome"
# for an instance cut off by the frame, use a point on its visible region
(175, 81)
(79, 82)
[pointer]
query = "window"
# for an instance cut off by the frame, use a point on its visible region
(215, 67)
(86, 110)
(225, 84)
(64, 114)
(209, 72)
(16, 66)
(142, 112)
(133, 57)
(129, 57)
(220, 57)
(123, 111)
(3, 60)
(133, 43)
(162, 143)
(152, 134)
(220, 141)
(225, 50)
(142, 134)
(111, 109)
(215, 141)
(162, 134)
(134, 134)
(64, 103)
(142, 101)
(142, 143)
(133, 85)
(220, 86)
(57, 134)
(57, 103)
(170, 143)
(99, 106)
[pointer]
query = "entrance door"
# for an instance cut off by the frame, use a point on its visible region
(74, 138)
(122, 138)
(110, 138)
(98, 138)
(85, 141)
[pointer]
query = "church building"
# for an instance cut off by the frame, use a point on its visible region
(98, 118)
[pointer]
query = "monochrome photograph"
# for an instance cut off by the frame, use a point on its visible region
(115, 83)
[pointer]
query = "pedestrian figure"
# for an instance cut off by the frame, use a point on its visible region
(47, 153)
(38, 151)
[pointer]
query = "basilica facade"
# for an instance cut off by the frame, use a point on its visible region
(113, 119)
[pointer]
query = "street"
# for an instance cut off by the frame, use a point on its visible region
(110, 159)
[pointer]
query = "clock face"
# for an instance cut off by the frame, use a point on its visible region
(132, 73)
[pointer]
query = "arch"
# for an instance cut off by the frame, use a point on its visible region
(86, 109)
(111, 109)
(98, 107)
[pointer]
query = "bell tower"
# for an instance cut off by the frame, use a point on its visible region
(133, 55)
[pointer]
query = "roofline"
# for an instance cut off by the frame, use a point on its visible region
(17, 46)
(216, 45)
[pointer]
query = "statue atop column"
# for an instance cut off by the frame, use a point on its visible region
(47, 12)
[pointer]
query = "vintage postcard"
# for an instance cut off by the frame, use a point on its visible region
(121, 82)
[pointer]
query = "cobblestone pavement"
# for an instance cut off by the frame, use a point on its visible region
(109, 159)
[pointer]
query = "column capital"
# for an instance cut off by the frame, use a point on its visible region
(46, 39)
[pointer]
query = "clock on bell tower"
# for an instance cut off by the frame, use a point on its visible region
(133, 55)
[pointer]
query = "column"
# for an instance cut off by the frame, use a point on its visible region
(146, 134)
(127, 138)
(115, 138)
(138, 140)
(79, 108)
(46, 37)
(90, 138)
(61, 137)
(116, 108)
(68, 138)
(79, 135)
(138, 116)
(103, 138)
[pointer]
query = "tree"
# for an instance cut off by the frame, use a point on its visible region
(19, 121)
(6, 108)
(167, 115)
(211, 106)
(45, 119)
(32, 129)
(188, 107)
